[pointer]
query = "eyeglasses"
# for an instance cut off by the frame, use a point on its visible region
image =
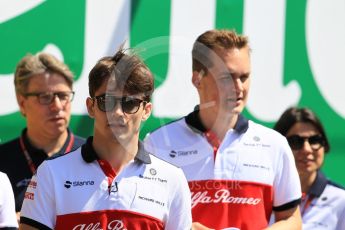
(107, 103)
(47, 98)
(296, 142)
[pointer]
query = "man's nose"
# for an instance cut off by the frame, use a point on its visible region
(56, 103)
(118, 108)
(238, 84)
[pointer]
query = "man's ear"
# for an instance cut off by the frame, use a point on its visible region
(90, 107)
(21, 103)
(196, 78)
(147, 111)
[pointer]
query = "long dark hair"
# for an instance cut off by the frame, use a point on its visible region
(294, 115)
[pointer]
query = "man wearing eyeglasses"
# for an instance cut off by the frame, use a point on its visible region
(44, 93)
(238, 171)
(111, 182)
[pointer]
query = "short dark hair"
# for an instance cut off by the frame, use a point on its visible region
(130, 72)
(214, 40)
(293, 115)
(39, 63)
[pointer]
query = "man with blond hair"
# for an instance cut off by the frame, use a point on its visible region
(44, 93)
(238, 171)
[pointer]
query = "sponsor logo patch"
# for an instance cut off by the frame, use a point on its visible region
(151, 200)
(182, 153)
(114, 225)
(221, 196)
(32, 184)
(29, 196)
(69, 184)
(153, 178)
(256, 166)
(153, 171)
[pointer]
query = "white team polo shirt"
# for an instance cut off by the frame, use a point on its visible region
(8, 218)
(79, 191)
(325, 209)
(252, 171)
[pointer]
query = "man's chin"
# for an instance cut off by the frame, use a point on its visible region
(59, 126)
(233, 110)
(237, 109)
(57, 132)
(120, 138)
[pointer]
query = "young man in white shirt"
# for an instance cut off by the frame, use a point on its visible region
(111, 182)
(238, 171)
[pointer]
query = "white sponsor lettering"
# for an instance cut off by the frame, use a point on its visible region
(113, 225)
(116, 225)
(221, 196)
(90, 226)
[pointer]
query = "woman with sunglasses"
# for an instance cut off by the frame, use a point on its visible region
(323, 202)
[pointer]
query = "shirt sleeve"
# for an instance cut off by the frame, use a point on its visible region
(341, 219)
(180, 215)
(8, 218)
(287, 186)
(39, 209)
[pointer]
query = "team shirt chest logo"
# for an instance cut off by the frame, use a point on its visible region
(112, 225)
(69, 184)
(182, 153)
(221, 196)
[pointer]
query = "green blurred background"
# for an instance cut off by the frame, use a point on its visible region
(82, 33)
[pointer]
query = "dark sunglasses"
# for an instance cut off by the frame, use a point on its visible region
(296, 142)
(46, 98)
(107, 103)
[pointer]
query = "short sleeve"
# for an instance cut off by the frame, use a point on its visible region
(8, 216)
(39, 209)
(287, 187)
(341, 219)
(180, 216)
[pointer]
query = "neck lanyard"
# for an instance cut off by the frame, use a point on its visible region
(307, 204)
(29, 159)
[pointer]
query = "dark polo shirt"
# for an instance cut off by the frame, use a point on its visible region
(15, 165)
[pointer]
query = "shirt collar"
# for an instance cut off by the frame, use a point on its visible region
(194, 122)
(33, 149)
(319, 185)
(89, 154)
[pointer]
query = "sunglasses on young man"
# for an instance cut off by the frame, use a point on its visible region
(296, 142)
(107, 103)
(46, 98)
